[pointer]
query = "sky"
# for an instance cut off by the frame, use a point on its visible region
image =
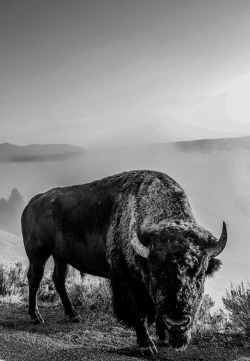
(112, 72)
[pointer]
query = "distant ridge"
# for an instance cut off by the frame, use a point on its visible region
(54, 152)
(204, 145)
(208, 145)
(38, 152)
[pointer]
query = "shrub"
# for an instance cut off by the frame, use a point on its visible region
(237, 303)
(208, 320)
(47, 291)
(13, 280)
(204, 314)
(218, 321)
(14, 284)
(92, 293)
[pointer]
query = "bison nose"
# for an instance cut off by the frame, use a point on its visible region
(177, 325)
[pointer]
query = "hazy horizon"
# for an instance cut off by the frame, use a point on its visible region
(114, 146)
(109, 73)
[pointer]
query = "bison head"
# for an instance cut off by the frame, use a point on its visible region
(175, 258)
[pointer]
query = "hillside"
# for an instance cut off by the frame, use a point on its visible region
(11, 249)
(38, 152)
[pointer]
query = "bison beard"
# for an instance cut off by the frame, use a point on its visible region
(179, 340)
(137, 229)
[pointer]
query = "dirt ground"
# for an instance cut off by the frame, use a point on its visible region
(97, 338)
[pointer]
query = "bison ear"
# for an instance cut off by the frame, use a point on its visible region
(145, 237)
(213, 266)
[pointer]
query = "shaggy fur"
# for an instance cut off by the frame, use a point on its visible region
(91, 226)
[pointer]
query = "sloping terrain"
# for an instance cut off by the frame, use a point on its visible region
(11, 249)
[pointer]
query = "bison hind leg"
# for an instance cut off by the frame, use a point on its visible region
(59, 278)
(34, 275)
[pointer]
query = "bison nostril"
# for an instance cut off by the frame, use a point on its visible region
(178, 325)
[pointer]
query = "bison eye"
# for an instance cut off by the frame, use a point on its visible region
(200, 277)
(192, 272)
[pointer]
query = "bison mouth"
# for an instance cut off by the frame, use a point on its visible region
(179, 331)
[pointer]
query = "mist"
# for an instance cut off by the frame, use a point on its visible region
(217, 183)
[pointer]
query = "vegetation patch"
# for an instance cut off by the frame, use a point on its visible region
(218, 335)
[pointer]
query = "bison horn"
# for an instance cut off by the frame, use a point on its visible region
(139, 248)
(220, 244)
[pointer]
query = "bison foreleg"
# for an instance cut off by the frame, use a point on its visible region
(161, 331)
(59, 278)
(133, 306)
(145, 343)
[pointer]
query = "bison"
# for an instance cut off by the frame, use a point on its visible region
(136, 229)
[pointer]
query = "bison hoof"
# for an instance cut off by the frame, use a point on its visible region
(75, 318)
(37, 319)
(153, 347)
(149, 350)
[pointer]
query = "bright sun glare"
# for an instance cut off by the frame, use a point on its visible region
(238, 99)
